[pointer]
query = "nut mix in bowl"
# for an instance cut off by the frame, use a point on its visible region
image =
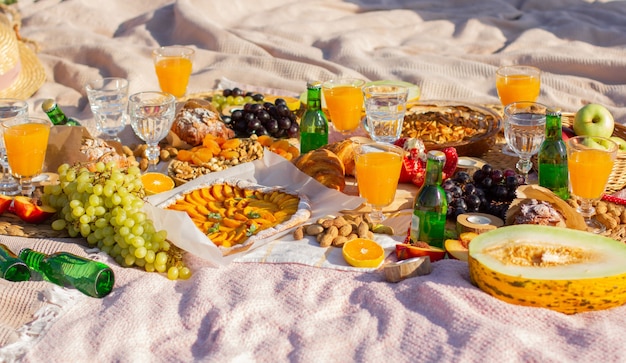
(471, 129)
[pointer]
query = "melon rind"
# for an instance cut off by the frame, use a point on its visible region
(597, 284)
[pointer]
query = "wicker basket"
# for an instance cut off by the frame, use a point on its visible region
(617, 179)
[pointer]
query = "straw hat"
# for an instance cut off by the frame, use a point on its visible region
(21, 73)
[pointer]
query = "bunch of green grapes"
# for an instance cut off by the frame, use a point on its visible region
(105, 207)
(235, 97)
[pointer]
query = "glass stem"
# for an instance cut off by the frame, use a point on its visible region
(27, 186)
(586, 209)
(152, 154)
(377, 215)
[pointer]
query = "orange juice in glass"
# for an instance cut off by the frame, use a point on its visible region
(590, 162)
(518, 83)
(344, 101)
(377, 172)
(26, 141)
(173, 67)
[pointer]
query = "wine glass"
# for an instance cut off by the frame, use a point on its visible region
(151, 117)
(344, 101)
(377, 168)
(9, 108)
(26, 141)
(524, 130)
(517, 83)
(590, 162)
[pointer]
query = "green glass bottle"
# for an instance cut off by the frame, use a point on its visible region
(552, 157)
(56, 115)
(431, 205)
(314, 125)
(90, 277)
(11, 267)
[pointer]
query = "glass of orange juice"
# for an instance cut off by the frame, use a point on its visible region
(344, 101)
(590, 162)
(173, 67)
(518, 83)
(26, 141)
(377, 172)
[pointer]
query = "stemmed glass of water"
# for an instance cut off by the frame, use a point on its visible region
(151, 117)
(524, 130)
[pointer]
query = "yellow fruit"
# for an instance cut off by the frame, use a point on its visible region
(154, 183)
(565, 270)
(361, 252)
(414, 90)
(292, 103)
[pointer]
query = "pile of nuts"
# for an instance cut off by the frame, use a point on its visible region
(136, 153)
(452, 124)
(612, 215)
(335, 231)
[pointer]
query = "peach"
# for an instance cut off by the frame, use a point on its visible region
(30, 211)
(5, 203)
(405, 251)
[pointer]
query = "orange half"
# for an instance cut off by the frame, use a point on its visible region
(155, 183)
(362, 252)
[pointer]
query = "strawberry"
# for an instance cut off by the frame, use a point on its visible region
(413, 162)
(452, 158)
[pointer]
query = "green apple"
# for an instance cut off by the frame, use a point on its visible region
(621, 143)
(594, 143)
(594, 120)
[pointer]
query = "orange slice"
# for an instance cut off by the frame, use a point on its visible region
(361, 252)
(155, 183)
(293, 103)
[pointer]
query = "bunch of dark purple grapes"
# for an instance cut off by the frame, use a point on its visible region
(273, 119)
(488, 190)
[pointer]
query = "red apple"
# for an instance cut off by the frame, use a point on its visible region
(5, 203)
(567, 132)
(405, 251)
(456, 249)
(29, 211)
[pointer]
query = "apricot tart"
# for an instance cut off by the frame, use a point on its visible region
(236, 213)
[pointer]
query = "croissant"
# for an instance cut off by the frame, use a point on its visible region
(345, 151)
(198, 118)
(324, 166)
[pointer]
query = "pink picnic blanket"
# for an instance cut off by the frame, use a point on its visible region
(275, 312)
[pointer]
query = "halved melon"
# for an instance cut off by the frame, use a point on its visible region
(566, 270)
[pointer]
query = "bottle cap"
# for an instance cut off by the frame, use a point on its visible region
(48, 105)
(436, 155)
(314, 84)
(553, 111)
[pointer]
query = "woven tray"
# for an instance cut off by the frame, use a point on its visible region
(12, 225)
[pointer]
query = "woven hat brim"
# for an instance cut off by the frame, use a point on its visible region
(32, 75)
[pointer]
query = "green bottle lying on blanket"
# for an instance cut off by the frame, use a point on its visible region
(90, 277)
(11, 267)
